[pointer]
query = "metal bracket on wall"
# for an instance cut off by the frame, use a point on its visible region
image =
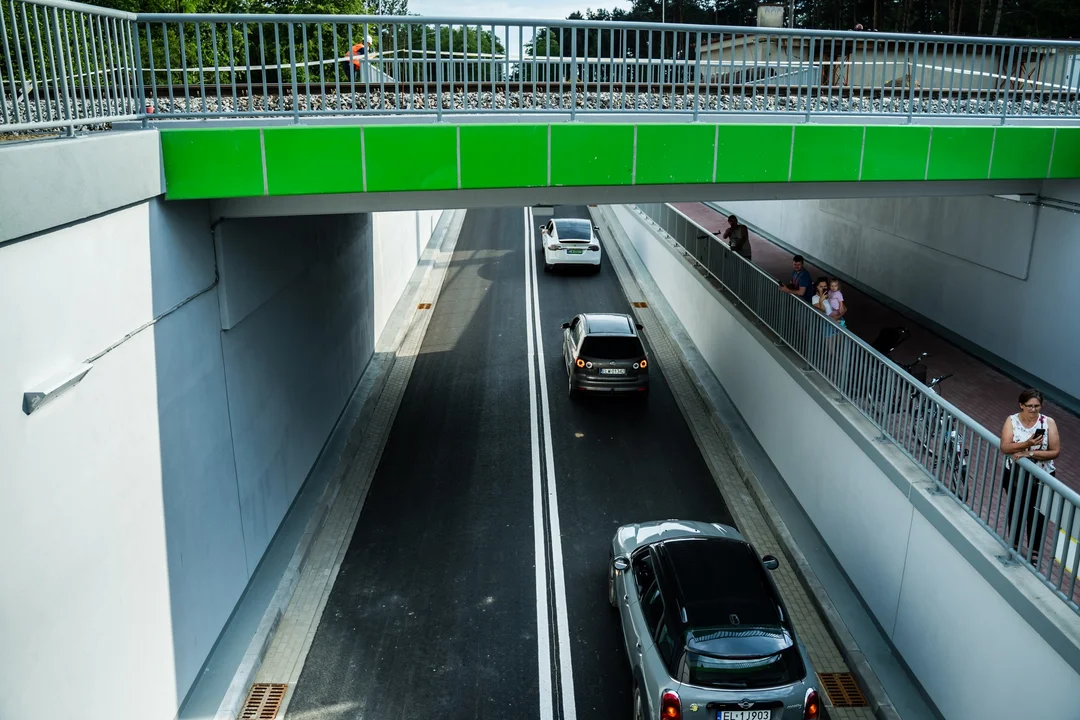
(53, 387)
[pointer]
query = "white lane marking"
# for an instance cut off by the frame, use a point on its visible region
(543, 640)
(566, 667)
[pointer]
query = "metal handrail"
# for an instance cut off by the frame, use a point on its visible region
(585, 24)
(83, 7)
(292, 65)
(962, 458)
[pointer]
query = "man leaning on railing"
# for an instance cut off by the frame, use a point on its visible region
(738, 237)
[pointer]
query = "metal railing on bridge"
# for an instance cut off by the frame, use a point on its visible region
(962, 458)
(68, 65)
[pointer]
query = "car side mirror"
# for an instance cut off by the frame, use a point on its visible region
(621, 563)
(639, 326)
(543, 229)
(566, 326)
(770, 562)
(596, 228)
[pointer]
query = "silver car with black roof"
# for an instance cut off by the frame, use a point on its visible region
(705, 629)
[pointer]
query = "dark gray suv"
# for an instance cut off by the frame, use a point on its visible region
(603, 353)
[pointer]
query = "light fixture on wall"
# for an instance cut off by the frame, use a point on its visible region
(53, 387)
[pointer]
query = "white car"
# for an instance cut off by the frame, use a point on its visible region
(570, 241)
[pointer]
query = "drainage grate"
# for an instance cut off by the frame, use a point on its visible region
(263, 701)
(423, 306)
(640, 304)
(842, 689)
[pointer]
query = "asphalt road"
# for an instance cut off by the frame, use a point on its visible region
(434, 613)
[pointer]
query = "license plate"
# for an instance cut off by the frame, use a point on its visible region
(612, 371)
(574, 252)
(744, 715)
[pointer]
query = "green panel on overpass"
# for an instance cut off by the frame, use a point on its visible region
(318, 159)
(829, 153)
(1066, 160)
(325, 158)
(503, 156)
(960, 153)
(1024, 154)
(892, 152)
(410, 157)
(668, 155)
(589, 155)
(753, 153)
(213, 163)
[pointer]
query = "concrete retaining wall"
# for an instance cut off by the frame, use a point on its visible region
(991, 270)
(137, 504)
(926, 571)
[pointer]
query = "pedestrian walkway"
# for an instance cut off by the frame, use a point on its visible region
(979, 389)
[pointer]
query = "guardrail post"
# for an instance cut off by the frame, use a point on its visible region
(883, 437)
(573, 74)
(438, 70)
(62, 75)
(1006, 72)
(140, 82)
(697, 76)
(911, 85)
(292, 71)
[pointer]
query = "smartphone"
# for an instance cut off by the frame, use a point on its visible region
(1038, 433)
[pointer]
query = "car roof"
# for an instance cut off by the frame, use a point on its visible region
(609, 324)
(711, 579)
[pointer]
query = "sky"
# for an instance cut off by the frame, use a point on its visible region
(546, 9)
(512, 9)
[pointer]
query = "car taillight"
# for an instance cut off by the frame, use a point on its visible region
(670, 707)
(644, 363)
(594, 248)
(553, 246)
(811, 706)
(580, 362)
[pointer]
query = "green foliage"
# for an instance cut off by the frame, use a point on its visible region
(1011, 18)
(173, 51)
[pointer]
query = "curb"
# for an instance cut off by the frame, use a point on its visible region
(878, 698)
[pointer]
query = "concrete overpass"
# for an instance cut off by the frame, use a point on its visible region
(466, 164)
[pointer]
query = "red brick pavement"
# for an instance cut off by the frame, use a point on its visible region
(980, 390)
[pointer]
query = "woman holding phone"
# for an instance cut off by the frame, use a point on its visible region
(1032, 435)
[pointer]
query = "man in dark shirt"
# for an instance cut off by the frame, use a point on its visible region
(738, 237)
(801, 285)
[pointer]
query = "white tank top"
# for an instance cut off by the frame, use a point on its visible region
(1022, 434)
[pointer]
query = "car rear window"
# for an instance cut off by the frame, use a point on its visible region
(774, 670)
(612, 348)
(575, 231)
